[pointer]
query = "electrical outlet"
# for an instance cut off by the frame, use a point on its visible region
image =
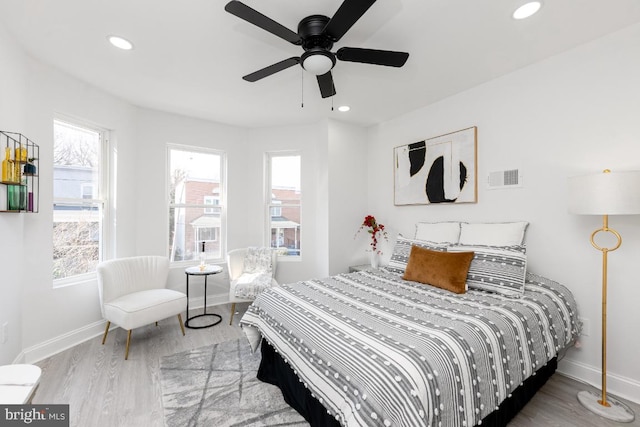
(586, 326)
(4, 333)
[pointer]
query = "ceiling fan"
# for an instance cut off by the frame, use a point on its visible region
(317, 34)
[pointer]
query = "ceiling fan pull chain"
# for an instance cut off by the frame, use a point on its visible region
(301, 88)
(332, 103)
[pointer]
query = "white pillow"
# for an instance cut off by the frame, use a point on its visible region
(438, 232)
(493, 234)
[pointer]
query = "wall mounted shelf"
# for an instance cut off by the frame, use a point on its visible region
(20, 182)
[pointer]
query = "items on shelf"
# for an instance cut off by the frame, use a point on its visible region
(8, 168)
(19, 185)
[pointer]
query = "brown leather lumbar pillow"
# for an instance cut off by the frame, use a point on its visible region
(445, 270)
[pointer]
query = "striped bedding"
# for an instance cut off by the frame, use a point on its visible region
(376, 350)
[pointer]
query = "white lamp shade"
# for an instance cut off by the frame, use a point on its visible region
(605, 193)
(317, 64)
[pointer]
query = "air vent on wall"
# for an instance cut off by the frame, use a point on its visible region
(504, 179)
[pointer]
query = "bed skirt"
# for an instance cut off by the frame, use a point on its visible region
(274, 370)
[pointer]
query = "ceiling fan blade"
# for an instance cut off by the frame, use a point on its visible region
(347, 14)
(325, 82)
(372, 56)
(243, 11)
(272, 69)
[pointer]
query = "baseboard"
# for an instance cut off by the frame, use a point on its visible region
(63, 342)
(617, 385)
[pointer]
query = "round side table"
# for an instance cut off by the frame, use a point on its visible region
(206, 272)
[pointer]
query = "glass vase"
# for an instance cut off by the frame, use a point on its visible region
(374, 259)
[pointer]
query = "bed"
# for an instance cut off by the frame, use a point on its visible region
(372, 349)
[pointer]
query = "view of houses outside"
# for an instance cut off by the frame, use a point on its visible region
(195, 204)
(285, 220)
(193, 226)
(285, 204)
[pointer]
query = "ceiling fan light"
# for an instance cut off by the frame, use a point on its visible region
(526, 10)
(317, 63)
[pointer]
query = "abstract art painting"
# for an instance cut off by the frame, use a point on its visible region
(441, 169)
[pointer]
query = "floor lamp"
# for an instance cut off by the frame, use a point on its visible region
(607, 193)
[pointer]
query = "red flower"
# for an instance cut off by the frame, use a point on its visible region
(375, 230)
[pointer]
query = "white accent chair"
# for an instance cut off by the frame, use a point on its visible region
(133, 293)
(235, 265)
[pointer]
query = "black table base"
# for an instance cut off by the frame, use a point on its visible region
(208, 325)
(217, 318)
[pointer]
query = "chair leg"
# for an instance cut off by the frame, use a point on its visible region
(233, 310)
(106, 331)
(181, 324)
(126, 353)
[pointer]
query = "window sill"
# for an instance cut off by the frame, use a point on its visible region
(75, 280)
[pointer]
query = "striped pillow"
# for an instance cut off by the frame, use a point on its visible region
(498, 269)
(402, 249)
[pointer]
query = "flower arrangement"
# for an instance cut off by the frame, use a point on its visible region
(375, 229)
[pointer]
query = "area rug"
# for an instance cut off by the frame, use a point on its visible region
(216, 385)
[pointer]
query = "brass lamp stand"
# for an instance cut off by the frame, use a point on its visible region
(597, 194)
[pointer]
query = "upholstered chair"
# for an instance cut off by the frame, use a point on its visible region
(133, 293)
(243, 284)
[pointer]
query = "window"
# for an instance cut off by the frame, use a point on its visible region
(79, 200)
(211, 200)
(283, 203)
(276, 207)
(196, 203)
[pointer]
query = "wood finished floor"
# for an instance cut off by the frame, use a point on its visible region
(104, 390)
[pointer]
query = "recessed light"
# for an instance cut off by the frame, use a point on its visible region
(344, 108)
(526, 10)
(119, 42)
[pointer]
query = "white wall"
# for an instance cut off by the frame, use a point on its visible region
(12, 118)
(347, 195)
(571, 114)
(52, 312)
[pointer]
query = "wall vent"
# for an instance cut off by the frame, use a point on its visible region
(504, 179)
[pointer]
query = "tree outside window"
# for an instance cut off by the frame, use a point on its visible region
(78, 201)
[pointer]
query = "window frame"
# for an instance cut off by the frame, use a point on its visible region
(103, 202)
(221, 197)
(269, 206)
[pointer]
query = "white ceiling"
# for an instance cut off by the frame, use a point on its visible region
(190, 55)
